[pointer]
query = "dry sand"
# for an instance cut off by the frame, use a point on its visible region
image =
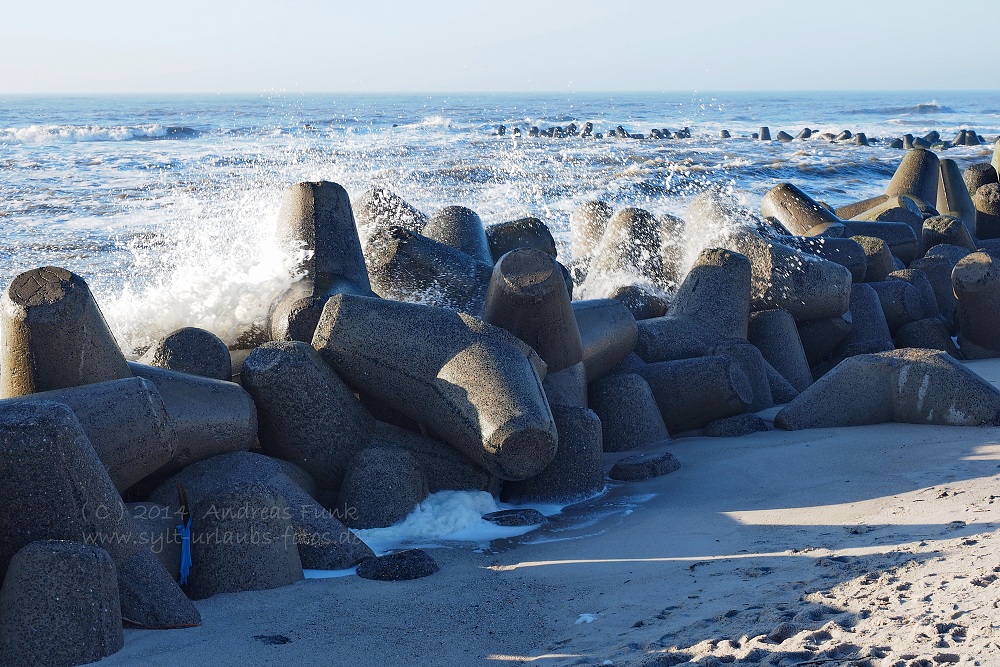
(856, 546)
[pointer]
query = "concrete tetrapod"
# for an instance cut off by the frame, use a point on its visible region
(379, 207)
(306, 414)
(629, 249)
(324, 542)
(210, 417)
(917, 175)
(406, 266)
(473, 385)
(953, 196)
(586, 227)
(242, 539)
(608, 332)
(316, 223)
(528, 298)
(520, 233)
(381, 487)
(628, 412)
(910, 386)
(191, 350)
(796, 211)
(57, 489)
(774, 333)
(987, 202)
(460, 228)
(693, 392)
(59, 605)
(975, 280)
(716, 292)
(54, 335)
(977, 175)
(125, 421)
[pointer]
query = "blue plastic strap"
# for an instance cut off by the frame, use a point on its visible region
(185, 530)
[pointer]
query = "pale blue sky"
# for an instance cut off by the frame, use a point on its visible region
(73, 46)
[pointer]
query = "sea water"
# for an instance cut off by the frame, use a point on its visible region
(167, 205)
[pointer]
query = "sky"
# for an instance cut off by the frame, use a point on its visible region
(146, 46)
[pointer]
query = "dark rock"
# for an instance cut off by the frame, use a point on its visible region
(643, 466)
(399, 566)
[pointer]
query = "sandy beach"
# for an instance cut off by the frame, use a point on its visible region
(866, 545)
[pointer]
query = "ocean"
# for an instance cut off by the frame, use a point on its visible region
(166, 205)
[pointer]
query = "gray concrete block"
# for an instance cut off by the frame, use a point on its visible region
(54, 335)
(848, 211)
(191, 350)
(630, 417)
(576, 472)
(869, 330)
(901, 238)
(521, 233)
(671, 337)
(380, 208)
(323, 541)
(629, 249)
(382, 486)
(528, 298)
(444, 467)
(987, 202)
(586, 227)
(693, 392)
(976, 279)
(806, 286)
(821, 337)
(316, 223)
(399, 566)
(242, 539)
(917, 175)
(977, 175)
(798, 212)
(59, 605)
(734, 427)
(209, 417)
(643, 301)
(953, 196)
(754, 367)
(909, 386)
(125, 421)
(460, 228)
(927, 334)
(643, 466)
(925, 290)
(57, 489)
(901, 303)
(406, 266)
(846, 252)
(880, 262)
(947, 229)
(937, 264)
(158, 526)
(774, 333)
(473, 385)
(608, 333)
(716, 292)
(306, 414)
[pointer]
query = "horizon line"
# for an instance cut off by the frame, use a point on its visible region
(121, 93)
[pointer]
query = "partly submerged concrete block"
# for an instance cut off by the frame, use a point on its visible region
(59, 605)
(629, 249)
(473, 385)
(910, 386)
(586, 227)
(379, 208)
(54, 335)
